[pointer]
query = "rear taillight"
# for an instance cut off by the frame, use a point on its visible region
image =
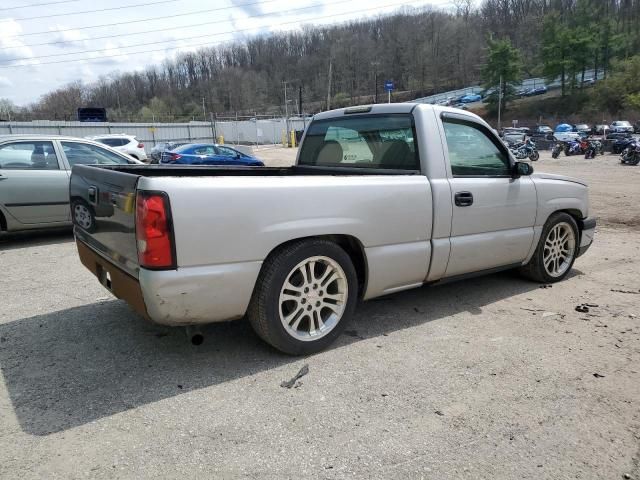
(175, 157)
(154, 231)
(140, 145)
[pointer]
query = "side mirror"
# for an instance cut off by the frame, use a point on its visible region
(237, 155)
(522, 169)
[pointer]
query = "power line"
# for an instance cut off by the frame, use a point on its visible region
(146, 31)
(38, 5)
(96, 11)
(157, 30)
(147, 19)
(196, 44)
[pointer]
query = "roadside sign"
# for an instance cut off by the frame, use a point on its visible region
(388, 85)
(514, 123)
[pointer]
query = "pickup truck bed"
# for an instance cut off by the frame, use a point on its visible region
(381, 199)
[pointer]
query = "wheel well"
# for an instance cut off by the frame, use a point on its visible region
(349, 244)
(576, 214)
(3, 223)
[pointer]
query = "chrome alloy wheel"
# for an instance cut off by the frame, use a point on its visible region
(82, 216)
(559, 249)
(313, 298)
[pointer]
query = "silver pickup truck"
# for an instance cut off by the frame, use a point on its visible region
(381, 199)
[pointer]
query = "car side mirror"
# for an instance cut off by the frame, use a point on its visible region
(522, 169)
(237, 155)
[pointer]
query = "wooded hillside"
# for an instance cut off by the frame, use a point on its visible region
(424, 51)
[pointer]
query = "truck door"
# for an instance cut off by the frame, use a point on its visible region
(493, 213)
(34, 186)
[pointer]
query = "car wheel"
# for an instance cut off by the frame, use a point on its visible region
(304, 296)
(83, 215)
(556, 250)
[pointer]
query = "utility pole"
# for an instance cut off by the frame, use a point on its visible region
(329, 88)
(204, 111)
(500, 104)
(300, 99)
(375, 78)
(286, 107)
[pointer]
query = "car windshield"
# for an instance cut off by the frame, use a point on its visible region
(623, 123)
(380, 141)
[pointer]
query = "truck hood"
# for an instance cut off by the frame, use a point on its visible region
(564, 178)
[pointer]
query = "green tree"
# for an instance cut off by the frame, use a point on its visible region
(622, 88)
(503, 66)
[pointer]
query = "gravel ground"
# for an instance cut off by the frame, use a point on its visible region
(492, 378)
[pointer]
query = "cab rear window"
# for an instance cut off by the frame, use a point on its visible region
(365, 141)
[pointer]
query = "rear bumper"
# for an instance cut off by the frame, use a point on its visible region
(185, 296)
(587, 231)
(119, 283)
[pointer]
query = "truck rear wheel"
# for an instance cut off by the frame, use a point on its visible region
(556, 250)
(304, 296)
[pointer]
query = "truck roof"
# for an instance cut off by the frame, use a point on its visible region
(391, 108)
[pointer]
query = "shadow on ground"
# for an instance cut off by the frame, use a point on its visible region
(34, 238)
(67, 368)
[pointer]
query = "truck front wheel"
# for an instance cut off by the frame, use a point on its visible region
(556, 250)
(304, 297)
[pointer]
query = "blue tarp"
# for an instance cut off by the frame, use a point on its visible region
(564, 127)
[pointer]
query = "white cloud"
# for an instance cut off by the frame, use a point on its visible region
(5, 82)
(11, 48)
(66, 38)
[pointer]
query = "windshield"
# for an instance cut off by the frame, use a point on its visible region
(623, 123)
(368, 141)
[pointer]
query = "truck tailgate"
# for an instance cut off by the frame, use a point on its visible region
(110, 197)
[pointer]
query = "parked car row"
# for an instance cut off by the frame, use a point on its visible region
(35, 170)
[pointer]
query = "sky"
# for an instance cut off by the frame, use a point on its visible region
(45, 44)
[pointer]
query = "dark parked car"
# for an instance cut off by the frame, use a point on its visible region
(582, 128)
(620, 144)
(542, 131)
(536, 91)
(600, 129)
(208, 154)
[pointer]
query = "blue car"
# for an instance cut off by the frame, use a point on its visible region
(472, 97)
(208, 154)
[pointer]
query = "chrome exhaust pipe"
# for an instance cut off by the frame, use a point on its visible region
(194, 334)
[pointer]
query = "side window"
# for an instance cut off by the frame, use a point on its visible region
(226, 152)
(86, 154)
(206, 150)
(28, 156)
(472, 152)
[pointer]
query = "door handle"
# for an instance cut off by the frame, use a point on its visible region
(463, 199)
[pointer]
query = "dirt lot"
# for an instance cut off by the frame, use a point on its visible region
(487, 378)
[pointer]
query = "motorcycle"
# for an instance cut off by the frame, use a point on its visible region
(526, 149)
(557, 150)
(631, 154)
(593, 148)
(574, 147)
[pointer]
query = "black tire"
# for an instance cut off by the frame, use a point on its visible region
(535, 270)
(555, 153)
(90, 219)
(634, 160)
(535, 156)
(264, 310)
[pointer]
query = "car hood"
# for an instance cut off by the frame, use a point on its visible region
(553, 176)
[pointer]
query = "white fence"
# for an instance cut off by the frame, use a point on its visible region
(242, 132)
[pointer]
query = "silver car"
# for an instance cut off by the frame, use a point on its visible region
(34, 178)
